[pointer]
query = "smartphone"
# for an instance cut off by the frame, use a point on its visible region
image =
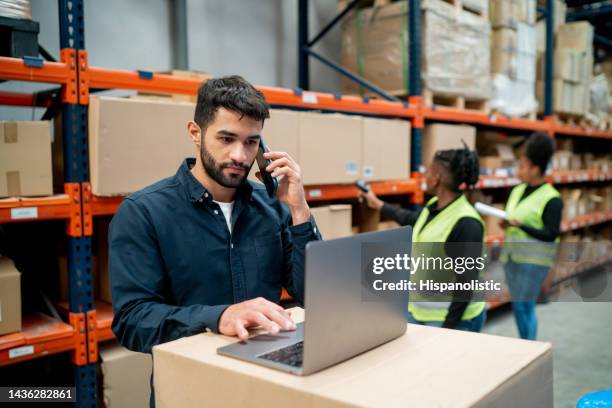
(362, 185)
(270, 182)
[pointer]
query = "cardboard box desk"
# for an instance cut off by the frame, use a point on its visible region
(425, 367)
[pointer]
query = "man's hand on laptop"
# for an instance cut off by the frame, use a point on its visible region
(255, 312)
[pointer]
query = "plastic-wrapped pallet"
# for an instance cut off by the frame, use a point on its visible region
(514, 70)
(375, 46)
(456, 51)
(16, 9)
(600, 100)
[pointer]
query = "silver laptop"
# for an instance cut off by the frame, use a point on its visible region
(339, 322)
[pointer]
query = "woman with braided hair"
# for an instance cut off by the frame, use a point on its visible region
(447, 218)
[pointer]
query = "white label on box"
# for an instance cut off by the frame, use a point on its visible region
(21, 351)
(368, 171)
(25, 212)
(351, 167)
(315, 193)
(309, 98)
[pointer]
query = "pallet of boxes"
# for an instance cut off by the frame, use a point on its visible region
(455, 51)
(573, 69)
(513, 57)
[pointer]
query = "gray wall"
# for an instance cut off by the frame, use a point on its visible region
(254, 38)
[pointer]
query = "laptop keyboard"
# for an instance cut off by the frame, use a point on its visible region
(291, 355)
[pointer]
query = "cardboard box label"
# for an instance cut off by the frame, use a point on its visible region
(309, 98)
(26, 212)
(21, 351)
(315, 193)
(368, 171)
(351, 167)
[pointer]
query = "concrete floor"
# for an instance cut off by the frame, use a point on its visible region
(581, 334)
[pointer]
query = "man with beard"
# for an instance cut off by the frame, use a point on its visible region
(206, 248)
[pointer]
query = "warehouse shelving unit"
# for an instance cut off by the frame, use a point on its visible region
(88, 322)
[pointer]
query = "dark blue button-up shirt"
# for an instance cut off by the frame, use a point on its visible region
(175, 266)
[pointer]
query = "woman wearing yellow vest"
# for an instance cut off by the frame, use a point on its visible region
(447, 218)
(534, 211)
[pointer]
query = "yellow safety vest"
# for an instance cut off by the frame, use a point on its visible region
(519, 245)
(438, 230)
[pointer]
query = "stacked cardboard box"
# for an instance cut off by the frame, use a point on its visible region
(497, 152)
(513, 56)
(578, 202)
(136, 142)
(442, 137)
(335, 148)
(125, 377)
(573, 62)
(455, 49)
(25, 159)
(200, 76)
(334, 221)
(10, 297)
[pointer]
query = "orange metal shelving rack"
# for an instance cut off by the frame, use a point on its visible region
(78, 206)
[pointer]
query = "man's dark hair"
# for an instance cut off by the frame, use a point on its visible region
(539, 149)
(233, 93)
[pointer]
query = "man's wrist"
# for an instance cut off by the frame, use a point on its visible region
(300, 214)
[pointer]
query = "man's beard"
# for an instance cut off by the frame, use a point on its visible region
(215, 170)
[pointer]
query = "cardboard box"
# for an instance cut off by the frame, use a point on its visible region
(386, 225)
(510, 13)
(504, 13)
(334, 221)
(280, 132)
(576, 162)
(578, 34)
(329, 148)
(571, 65)
(571, 203)
(366, 218)
(25, 159)
(385, 149)
(442, 137)
(513, 53)
(200, 76)
(134, 143)
(10, 297)
(490, 162)
(126, 377)
(504, 38)
(561, 160)
(569, 98)
(477, 370)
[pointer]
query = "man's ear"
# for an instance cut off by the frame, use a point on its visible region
(195, 133)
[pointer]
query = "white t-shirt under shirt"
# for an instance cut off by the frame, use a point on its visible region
(227, 208)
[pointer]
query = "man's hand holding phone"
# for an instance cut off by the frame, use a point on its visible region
(290, 188)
